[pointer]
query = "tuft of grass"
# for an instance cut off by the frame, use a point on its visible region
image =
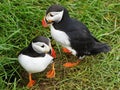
(20, 22)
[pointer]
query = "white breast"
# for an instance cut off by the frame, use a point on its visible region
(62, 38)
(36, 64)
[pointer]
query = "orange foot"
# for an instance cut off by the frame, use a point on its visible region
(70, 64)
(51, 73)
(65, 50)
(31, 83)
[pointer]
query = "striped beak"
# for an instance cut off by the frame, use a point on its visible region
(45, 23)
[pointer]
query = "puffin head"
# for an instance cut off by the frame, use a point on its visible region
(54, 14)
(41, 44)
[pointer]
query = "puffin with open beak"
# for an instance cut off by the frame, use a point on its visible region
(73, 35)
(36, 57)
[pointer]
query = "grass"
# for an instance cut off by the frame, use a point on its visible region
(20, 22)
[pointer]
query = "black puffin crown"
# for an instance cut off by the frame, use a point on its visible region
(41, 39)
(55, 8)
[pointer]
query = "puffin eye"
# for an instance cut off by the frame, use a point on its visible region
(51, 15)
(43, 46)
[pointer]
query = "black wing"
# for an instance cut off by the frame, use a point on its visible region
(81, 39)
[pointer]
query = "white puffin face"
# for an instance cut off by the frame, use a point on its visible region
(41, 47)
(54, 17)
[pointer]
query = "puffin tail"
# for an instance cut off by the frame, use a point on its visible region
(99, 48)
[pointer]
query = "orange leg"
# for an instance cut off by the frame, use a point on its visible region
(65, 50)
(71, 64)
(31, 82)
(51, 73)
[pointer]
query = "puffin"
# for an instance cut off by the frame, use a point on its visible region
(36, 58)
(72, 35)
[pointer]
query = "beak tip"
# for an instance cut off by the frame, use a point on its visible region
(44, 23)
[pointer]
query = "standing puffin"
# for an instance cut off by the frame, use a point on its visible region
(73, 35)
(36, 57)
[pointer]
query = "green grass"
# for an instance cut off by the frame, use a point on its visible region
(20, 22)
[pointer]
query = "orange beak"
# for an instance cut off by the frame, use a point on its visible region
(44, 23)
(53, 53)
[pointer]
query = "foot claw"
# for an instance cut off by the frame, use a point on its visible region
(70, 64)
(50, 74)
(31, 83)
(65, 50)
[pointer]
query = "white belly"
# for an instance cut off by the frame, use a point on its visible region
(62, 38)
(36, 64)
